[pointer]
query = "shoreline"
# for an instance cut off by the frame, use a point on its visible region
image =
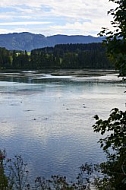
(62, 72)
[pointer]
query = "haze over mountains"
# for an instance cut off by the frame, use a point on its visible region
(29, 41)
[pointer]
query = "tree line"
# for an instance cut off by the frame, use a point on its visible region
(62, 56)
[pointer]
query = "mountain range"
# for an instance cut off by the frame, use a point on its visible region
(28, 41)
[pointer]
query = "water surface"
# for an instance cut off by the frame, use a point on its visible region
(48, 118)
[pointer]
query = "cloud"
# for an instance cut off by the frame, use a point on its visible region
(58, 16)
(22, 23)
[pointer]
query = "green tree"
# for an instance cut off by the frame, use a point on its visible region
(115, 40)
(114, 128)
(5, 61)
(114, 145)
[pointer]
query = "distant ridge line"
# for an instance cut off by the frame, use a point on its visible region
(29, 41)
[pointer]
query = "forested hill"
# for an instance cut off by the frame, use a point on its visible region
(72, 48)
(62, 56)
(28, 41)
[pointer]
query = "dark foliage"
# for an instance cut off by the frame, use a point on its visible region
(63, 56)
(115, 41)
(114, 145)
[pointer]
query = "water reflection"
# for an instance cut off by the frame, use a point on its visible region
(48, 121)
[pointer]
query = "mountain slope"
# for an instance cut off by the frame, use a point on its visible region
(28, 41)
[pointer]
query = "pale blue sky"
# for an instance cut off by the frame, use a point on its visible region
(71, 17)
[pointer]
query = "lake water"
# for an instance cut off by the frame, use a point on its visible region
(48, 119)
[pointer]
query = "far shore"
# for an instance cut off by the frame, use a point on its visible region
(63, 72)
(83, 72)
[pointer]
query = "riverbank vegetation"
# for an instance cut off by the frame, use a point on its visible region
(64, 56)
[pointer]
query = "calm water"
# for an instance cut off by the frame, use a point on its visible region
(48, 119)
